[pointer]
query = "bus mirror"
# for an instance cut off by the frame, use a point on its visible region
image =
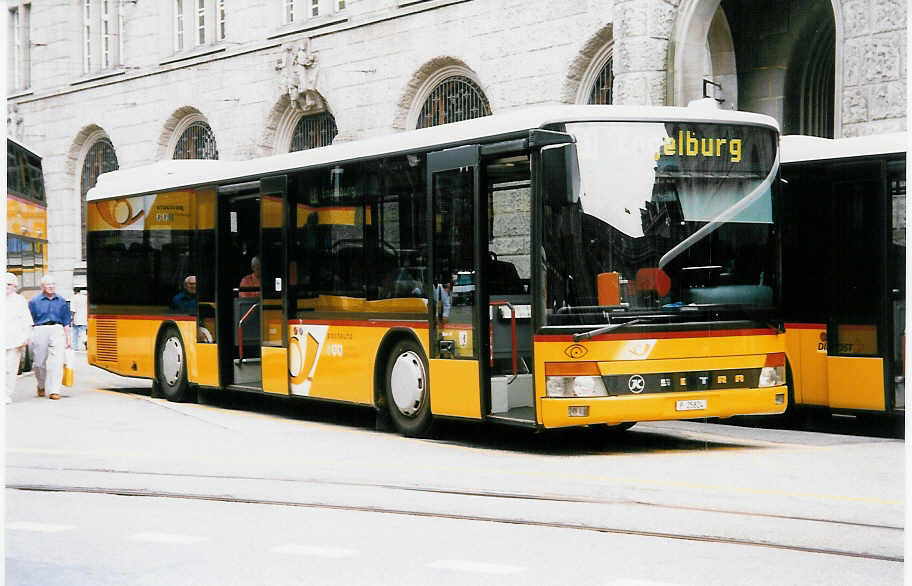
(560, 170)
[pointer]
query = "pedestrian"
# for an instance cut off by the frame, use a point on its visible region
(18, 331)
(79, 308)
(50, 338)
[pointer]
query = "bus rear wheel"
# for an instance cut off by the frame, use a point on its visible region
(407, 394)
(171, 366)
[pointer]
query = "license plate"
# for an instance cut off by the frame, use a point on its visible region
(690, 405)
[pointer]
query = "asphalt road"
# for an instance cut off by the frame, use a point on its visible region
(109, 486)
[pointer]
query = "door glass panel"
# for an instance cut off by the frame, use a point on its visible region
(272, 282)
(896, 182)
(454, 226)
(857, 229)
(201, 246)
(244, 267)
(508, 267)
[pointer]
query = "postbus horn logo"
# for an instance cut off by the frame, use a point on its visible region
(118, 212)
(576, 351)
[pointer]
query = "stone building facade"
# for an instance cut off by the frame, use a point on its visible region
(101, 84)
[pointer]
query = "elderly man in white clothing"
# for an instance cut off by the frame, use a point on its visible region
(50, 338)
(18, 331)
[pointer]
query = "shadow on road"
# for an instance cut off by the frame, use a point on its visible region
(558, 442)
(822, 421)
(573, 441)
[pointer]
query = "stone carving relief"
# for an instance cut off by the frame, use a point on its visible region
(13, 121)
(297, 67)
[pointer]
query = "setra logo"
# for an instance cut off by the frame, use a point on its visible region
(636, 384)
(118, 212)
(576, 351)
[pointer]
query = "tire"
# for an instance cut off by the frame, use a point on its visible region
(171, 367)
(407, 392)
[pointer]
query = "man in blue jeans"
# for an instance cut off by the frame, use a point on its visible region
(50, 337)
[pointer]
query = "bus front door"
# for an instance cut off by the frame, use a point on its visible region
(456, 341)
(481, 331)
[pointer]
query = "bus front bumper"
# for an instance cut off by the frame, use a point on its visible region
(564, 412)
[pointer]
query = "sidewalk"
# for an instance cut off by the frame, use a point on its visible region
(26, 385)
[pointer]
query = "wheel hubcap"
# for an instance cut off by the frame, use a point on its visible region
(408, 383)
(172, 361)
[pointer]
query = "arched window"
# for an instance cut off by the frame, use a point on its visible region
(196, 142)
(601, 92)
(314, 131)
(454, 99)
(100, 159)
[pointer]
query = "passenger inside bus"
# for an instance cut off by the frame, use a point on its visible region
(185, 300)
(250, 284)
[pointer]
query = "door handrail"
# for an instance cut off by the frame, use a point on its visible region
(513, 335)
(241, 332)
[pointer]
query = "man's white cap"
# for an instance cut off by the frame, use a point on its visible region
(12, 279)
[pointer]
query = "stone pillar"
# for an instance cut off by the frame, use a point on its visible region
(642, 32)
(874, 51)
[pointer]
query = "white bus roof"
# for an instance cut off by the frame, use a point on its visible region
(796, 147)
(175, 174)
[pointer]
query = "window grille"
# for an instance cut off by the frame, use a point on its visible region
(196, 142)
(314, 131)
(602, 88)
(452, 100)
(101, 158)
(315, 7)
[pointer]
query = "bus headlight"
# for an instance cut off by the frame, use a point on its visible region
(772, 376)
(773, 372)
(575, 386)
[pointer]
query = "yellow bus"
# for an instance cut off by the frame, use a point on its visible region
(26, 216)
(844, 255)
(623, 261)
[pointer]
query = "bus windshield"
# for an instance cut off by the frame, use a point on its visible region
(674, 222)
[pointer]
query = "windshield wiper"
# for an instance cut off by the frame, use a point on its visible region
(606, 329)
(725, 216)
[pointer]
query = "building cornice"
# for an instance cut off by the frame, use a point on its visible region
(311, 29)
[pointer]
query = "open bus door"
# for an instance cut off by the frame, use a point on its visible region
(457, 340)
(252, 291)
(865, 329)
(481, 235)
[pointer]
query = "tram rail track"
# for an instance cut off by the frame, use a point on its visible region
(454, 492)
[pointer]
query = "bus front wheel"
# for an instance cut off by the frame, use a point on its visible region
(407, 393)
(171, 366)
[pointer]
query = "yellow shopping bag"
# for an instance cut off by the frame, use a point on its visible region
(69, 363)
